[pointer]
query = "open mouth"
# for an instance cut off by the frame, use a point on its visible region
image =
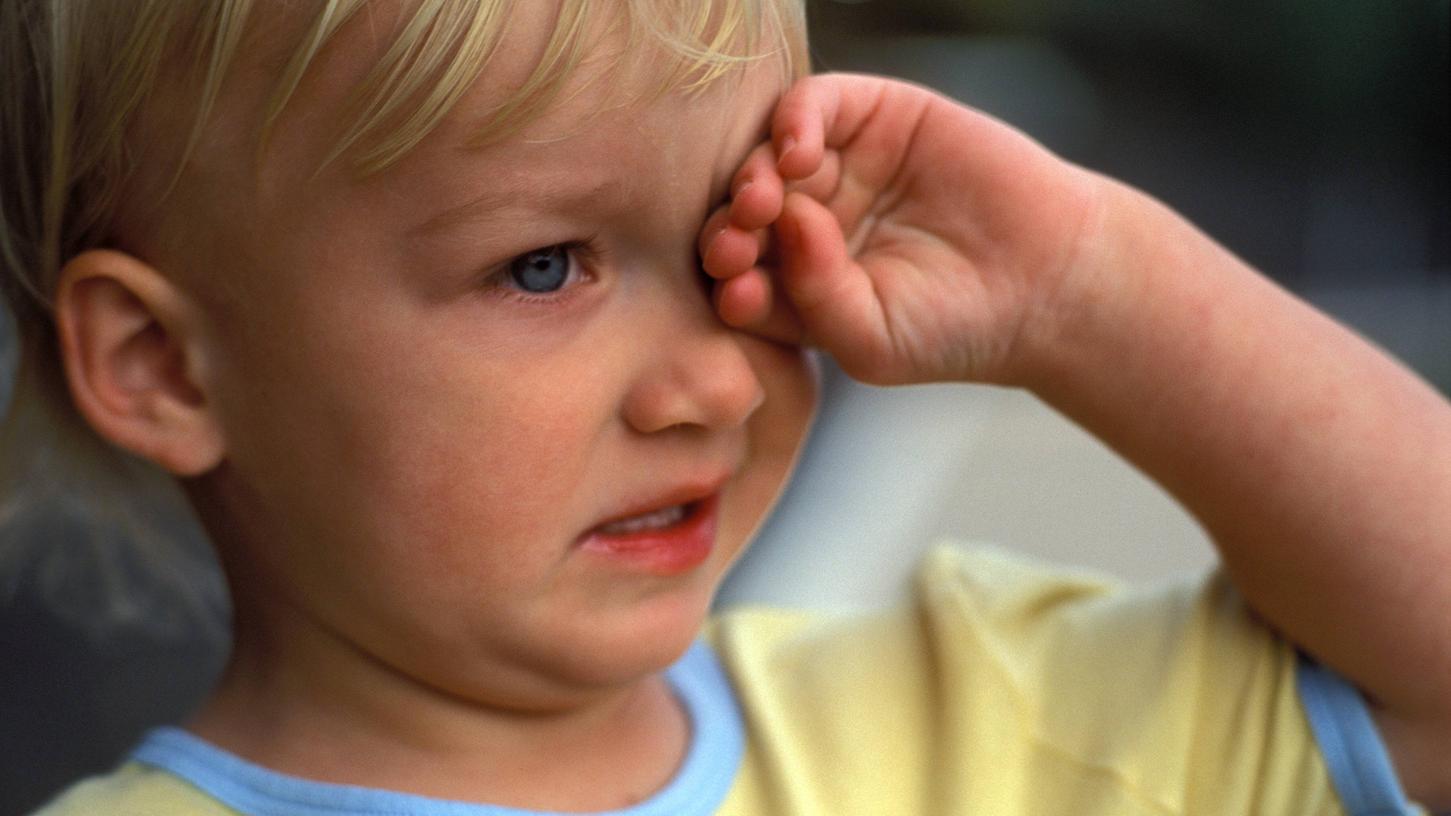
(654, 521)
(666, 541)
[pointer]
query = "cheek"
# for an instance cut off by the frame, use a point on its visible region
(495, 462)
(778, 428)
(469, 497)
(790, 377)
(465, 459)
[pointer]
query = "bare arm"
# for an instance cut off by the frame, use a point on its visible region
(918, 240)
(1320, 466)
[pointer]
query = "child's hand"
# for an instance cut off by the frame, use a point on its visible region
(917, 240)
(912, 238)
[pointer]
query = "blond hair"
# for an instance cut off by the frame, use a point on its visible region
(78, 74)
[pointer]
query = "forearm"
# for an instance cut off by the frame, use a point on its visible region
(1320, 467)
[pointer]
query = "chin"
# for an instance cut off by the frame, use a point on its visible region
(640, 641)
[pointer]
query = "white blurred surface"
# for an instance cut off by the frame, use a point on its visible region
(891, 471)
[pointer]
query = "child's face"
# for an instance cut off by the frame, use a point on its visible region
(419, 447)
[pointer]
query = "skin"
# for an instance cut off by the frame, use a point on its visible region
(396, 450)
(917, 240)
(394, 458)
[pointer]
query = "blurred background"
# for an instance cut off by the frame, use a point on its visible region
(1309, 136)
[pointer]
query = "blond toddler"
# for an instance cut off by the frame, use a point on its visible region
(473, 332)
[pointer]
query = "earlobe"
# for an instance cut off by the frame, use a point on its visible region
(132, 348)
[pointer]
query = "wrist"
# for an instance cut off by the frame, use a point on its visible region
(1089, 297)
(1146, 295)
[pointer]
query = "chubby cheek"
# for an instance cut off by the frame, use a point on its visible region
(484, 481)
(424, 460)
(775, 434)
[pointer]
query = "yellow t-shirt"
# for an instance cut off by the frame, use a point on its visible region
(999, 687)
(1005, 688)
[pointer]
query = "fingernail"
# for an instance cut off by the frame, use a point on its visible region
(788, 144)
(710, 241)
(741, 188)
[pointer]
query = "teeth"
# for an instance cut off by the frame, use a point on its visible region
(648, 521)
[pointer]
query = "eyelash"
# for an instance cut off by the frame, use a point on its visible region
(583, 253)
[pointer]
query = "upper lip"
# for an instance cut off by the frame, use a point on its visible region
(682, 493)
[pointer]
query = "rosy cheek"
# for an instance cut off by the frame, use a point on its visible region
(792, 378)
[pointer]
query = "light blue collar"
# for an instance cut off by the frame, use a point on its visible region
(717, 742)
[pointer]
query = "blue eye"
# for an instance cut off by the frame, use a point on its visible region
(541, 271)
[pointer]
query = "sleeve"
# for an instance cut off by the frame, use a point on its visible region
(1354, 752)
(1179, 692)
(1005, 686)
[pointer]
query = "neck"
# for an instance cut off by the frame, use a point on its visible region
(313, 707)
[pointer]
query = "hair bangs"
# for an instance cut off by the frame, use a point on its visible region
(443, 48)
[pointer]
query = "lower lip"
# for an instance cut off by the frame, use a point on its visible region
(667, 551)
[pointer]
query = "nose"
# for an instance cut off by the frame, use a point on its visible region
(696, 376)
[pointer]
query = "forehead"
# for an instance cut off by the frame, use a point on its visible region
(385, 75)
(242, 226)
(237, 211)
(382, 80)
(302, 70)
(606, 108)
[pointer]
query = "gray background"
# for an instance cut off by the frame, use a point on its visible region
(1309, 137)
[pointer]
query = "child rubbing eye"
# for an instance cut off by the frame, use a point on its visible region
(407, 296)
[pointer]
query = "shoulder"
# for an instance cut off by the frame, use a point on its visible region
(1174, 696)
(991, 616)
(134, 790)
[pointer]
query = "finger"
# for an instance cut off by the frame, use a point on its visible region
(798, 127)
(835, 299)
(756, 190)
(714, 225)
(826, 112)
(732, 252)
(823, 184)
(744, 300)
(750, 302)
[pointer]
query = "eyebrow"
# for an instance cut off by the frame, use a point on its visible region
(534, 193)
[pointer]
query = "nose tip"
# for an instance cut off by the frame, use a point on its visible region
(705, 381)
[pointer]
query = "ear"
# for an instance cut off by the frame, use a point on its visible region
(134, 355)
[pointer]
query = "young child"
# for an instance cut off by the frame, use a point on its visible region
(416, 315)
